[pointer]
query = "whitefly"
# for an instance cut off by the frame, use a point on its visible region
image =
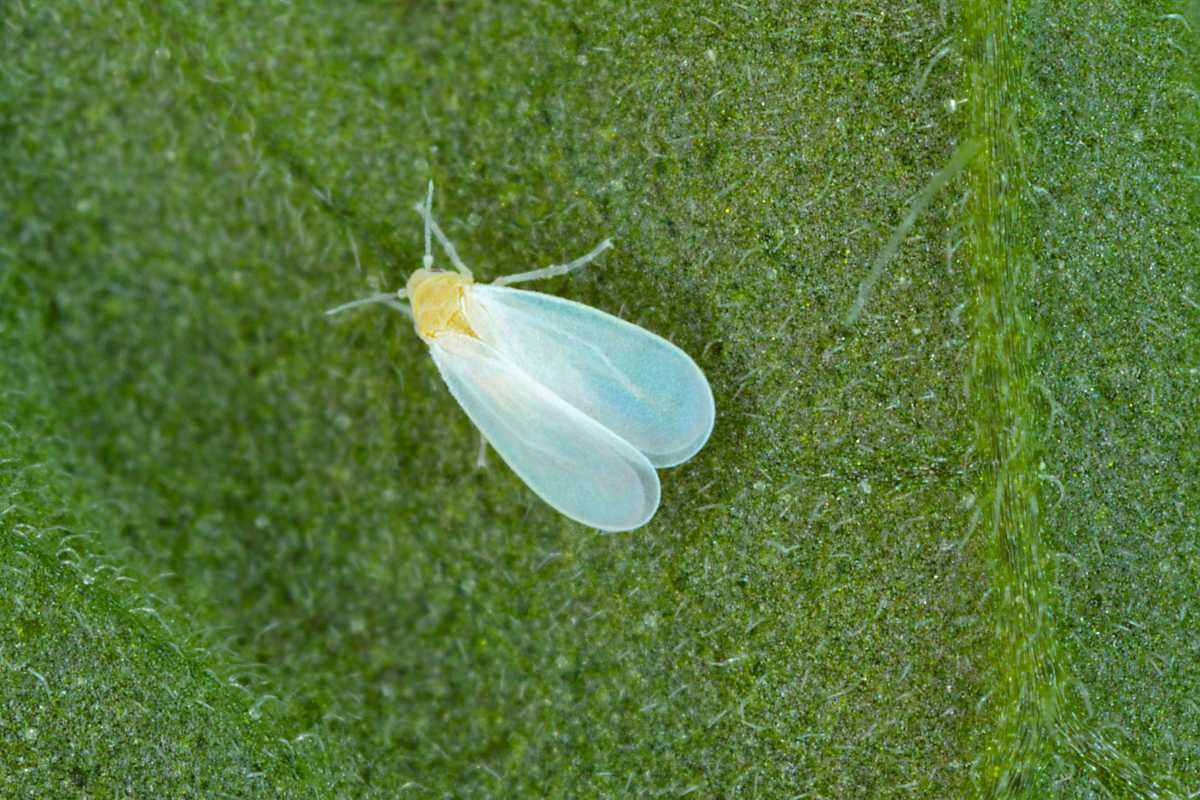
(581, 404)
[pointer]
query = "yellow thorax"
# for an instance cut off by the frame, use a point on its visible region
(437, 300)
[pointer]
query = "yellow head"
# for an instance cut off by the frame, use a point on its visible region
(438, 301)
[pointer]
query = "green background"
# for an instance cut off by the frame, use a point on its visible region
(245, 551)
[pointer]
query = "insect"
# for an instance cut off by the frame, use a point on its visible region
(582, 405)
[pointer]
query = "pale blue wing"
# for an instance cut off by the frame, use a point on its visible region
(570, 460)
(637, 384)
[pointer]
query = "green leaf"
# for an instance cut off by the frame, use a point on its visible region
(949, 548)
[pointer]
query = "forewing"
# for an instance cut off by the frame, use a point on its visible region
(633, 382)
(570, 460)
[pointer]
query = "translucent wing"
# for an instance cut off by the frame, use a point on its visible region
(571, 461)
(638, 385)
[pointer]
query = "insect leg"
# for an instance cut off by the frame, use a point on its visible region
(481, 459)
(387, 298)
(554, 269)
(401, 307)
